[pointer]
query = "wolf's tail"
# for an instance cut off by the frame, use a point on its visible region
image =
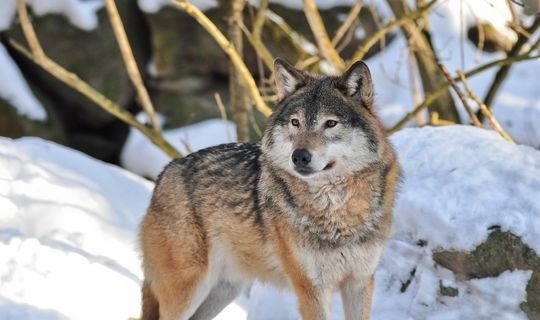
(150, 305)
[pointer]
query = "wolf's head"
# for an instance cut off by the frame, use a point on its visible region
(323, 127)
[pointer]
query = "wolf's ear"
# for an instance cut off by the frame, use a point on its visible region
(288, 78)
(356, 83)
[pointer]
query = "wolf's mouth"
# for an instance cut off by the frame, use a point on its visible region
(305, 171)
(329, 166)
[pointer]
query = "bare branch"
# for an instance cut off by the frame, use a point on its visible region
(260, 18)
(223, 114)
(328, 51)
(131, 64)
(71, 80)
(254, 37)
(485, 110)
(349, 21)
(372, 40)
(297, 40)
(29, 32)
(442, 88)
(228, 48)
(474, 120)
(240, 105)
(502, 73)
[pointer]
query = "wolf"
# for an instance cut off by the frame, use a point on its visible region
(309, 207)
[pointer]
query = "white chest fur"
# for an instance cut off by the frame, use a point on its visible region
(329, 267)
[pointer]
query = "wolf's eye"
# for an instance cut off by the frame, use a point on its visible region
(295, 122)
(331, 123)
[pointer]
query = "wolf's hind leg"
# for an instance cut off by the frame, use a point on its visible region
(356, 296)
(180, 295)
(220, 296)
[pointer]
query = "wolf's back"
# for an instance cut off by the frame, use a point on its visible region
(223, 177)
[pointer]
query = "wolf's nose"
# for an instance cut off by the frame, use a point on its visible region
(301, 157)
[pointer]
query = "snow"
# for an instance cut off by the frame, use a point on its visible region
(142, 157)
(15, 90)
(82, 14)
(153, 6)
(68, 235)
(68, 231)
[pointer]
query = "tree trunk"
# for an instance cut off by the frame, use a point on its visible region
(239, 101)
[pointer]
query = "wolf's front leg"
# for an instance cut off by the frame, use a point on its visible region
(314, 303)
(356, 295)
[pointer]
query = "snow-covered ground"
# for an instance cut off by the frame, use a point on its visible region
(68, 231)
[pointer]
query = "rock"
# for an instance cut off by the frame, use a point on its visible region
(493, 40)
(178, 53)
(180, 110)
(14, 125)
(502, 251)
(93, 55)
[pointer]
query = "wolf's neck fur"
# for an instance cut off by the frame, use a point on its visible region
(333, 213)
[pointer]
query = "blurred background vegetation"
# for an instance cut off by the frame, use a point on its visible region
(184, 68)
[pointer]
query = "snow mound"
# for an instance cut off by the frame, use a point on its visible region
(82, 14)
(67, 234)
(139, 155)
(459, 181)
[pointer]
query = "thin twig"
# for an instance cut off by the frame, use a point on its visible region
(435, 120)
(328, 51)
(472, 116)
(255, 36)
(228, 48)
(131, 64)
(260, 18)
(485, 110)
(502, 73)
(372, 40)
(512, 11)
(302, 45)
(346, 25)
(442, 88)
(29, 32)
(185, 143)
(259, 47)
(420, 119)
(223, 114)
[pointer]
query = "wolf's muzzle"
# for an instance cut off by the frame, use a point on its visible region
(301, 157)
